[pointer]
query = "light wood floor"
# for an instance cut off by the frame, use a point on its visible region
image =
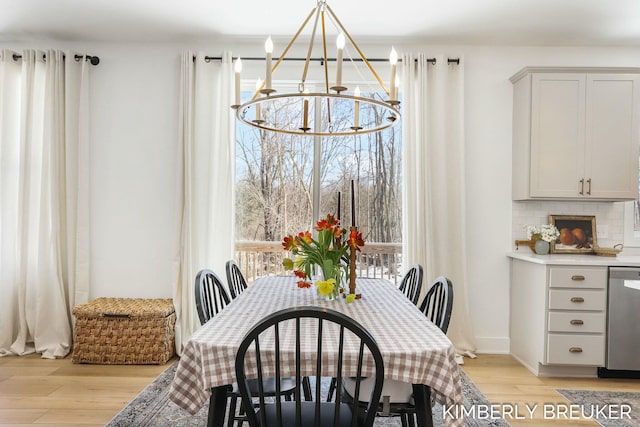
(57, 393)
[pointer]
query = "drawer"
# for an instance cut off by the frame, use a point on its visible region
(577, 299)
(566, 349)
(577, 322)
(578, 277)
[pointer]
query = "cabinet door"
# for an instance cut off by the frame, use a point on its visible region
(611, 155)
(557, 134)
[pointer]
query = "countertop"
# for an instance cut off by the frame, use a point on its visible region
(525, 254)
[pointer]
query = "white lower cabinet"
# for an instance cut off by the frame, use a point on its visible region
(558, 316)
(572, 349)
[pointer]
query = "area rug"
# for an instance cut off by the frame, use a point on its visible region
(607, 408)
(152, 408)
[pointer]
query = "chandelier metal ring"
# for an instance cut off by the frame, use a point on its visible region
(245, 115)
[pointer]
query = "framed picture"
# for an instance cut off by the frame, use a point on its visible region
(577, 234)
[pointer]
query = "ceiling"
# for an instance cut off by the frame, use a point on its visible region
(497, 22)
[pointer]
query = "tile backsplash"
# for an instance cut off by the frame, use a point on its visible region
(609, 217)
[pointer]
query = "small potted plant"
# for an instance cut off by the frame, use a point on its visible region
(542, 236)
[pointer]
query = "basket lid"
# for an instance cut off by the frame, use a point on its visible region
(125, 307)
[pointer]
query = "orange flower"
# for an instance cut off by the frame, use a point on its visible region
(329, 223)
(355, 240)
(304, 284)
(305, 236)
(337, 233)
(289, 242)
(299, 273)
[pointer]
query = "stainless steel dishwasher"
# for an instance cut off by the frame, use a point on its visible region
(623, 325)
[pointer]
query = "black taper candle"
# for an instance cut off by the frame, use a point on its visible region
(353, 205)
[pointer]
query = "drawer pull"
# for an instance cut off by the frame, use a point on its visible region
(577, 322)
(575, 350)
(577, 299)
(577, 277)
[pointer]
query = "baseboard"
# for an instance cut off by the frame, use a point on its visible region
(492, 345)
(617, 373)
(567, 371)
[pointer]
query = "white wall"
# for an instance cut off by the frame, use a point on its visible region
(135, 92)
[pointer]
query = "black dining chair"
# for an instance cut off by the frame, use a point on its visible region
(437, 304)
(211, 299)
(261, 351)
(410, 286)
(235, 280)
(411, 283)
(397, 396)
(211, 295)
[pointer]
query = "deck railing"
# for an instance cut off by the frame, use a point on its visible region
(376, 260)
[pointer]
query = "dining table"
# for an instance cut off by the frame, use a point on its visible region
(414, 350)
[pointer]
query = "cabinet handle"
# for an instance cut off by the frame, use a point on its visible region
(577, 299)
(589, 188)
(577, 277)
(575, 350)
(577, 322)
(581, 186)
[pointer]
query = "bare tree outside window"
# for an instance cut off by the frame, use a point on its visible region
(274, 191)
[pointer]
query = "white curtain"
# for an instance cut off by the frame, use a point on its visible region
(206, 196)
(44, 199)
(434, 190)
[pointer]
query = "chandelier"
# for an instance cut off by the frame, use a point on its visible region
(335, 111)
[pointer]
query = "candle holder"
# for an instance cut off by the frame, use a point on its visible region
(352, 268)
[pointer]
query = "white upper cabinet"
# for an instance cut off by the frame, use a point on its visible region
(575, 134)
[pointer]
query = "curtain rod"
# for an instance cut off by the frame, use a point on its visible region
(431, 61)
(94, 60)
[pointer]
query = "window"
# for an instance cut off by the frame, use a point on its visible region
(278, 175)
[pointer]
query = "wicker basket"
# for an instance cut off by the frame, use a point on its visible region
(124, 331)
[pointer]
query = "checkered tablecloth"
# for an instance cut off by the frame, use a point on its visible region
(414, 349)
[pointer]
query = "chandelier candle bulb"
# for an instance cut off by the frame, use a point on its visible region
(340, 46)
(258, 85)
(268, 48)
(305, 123)
(393, 60)
(237, 68)
(356, 109)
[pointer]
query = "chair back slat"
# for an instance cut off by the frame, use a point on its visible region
(235, 280)
(316, 419)
(211, 296)
(437, 304)
(330, 325)
(411, 283)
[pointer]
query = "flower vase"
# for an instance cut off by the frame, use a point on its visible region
(335, 292)
(541, 247)
(335, 277)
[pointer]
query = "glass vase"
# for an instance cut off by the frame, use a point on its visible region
(332, 273)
